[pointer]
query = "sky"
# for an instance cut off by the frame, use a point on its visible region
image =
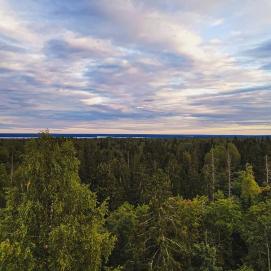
(135, 66)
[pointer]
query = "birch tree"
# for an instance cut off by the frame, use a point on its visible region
(52, 221)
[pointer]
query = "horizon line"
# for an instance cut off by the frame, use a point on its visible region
(132, 134)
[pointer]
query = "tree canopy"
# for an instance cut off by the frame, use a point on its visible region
(135, 204)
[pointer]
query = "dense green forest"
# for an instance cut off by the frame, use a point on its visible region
(135, 204)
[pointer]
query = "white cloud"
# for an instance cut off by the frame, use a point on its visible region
(149, 65)
(18, 29)
(217, 22)
(153, 28)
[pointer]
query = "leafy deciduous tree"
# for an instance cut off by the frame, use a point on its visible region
(51, 221)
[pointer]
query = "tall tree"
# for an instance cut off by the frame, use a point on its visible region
(168, 234)
(221, 162)
(209, 171)
(124, 222)
(112, 178)
(233, 160)
(52, 221)
(151, 244)
(249, 187)
(257, 230)
(223, 218)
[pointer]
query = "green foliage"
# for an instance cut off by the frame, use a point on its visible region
(223, 218)
(249, 187)
(118, 268)
(124, 223)
(234, 154)
(111, 178)
(51, 220)
(165, 236)
(157, 188)
(220, 163)
(245, 268)
(204, 258)
(257, 231)
(13, 256)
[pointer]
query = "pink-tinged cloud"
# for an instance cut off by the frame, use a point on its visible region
(135, 66)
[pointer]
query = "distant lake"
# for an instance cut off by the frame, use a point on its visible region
(85, 136)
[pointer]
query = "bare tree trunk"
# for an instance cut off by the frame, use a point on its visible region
(11, 169)
(229, 172)
(268, 256)
(267, 169)
(268, 251)
(206, 237)
(213, 174)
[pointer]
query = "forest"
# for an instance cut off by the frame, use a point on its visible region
(192, 204)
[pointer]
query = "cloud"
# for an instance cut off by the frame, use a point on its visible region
(262, 50)
(151, 27)
(217, 22)
(146, 66)
(75, 46)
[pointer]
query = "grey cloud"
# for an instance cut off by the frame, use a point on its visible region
(236, 107)
(261, 50)
(11, 48)
(63, 50)
(53, 84)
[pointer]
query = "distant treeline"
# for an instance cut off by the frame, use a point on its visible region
(135, 204)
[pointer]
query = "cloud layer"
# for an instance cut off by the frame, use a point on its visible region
(128, 66)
